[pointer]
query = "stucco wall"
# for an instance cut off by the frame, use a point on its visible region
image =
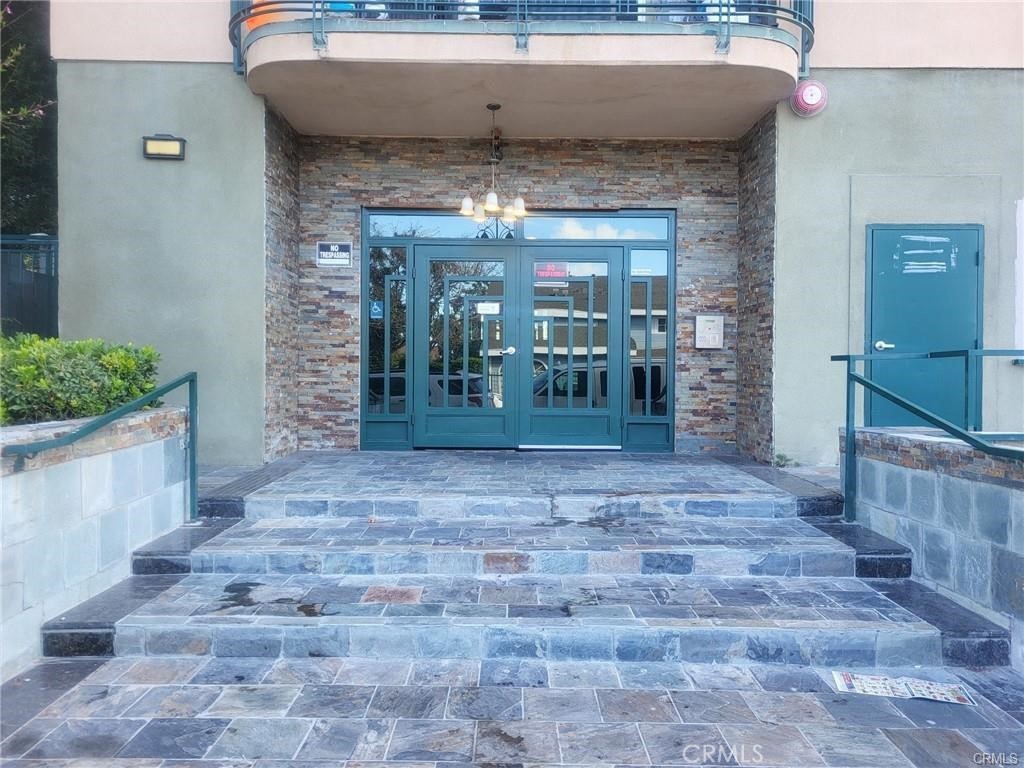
(339, 176)
(897, 147)
(72, 516)
(169, 253)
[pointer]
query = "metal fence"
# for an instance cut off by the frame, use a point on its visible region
(28, 284)
(788, 20)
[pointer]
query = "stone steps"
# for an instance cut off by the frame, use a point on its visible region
(574, 506)
(528, 546)
(837, 621)
(458, 484)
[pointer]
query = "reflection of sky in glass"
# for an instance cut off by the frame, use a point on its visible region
(431, 226)
(596, 228)
(587, 269)
(644, 263)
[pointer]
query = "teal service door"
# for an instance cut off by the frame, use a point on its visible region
(923, 296)
(464, 348)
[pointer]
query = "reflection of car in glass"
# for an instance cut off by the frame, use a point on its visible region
(584, 396)
(474, 393)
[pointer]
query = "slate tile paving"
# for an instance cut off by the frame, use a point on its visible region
(854, 747)
(780, 708)
(712, 707)
(486, 703)
(561, 704)
(687, 744)
(175, 701)
(421, 702)
(343, 474)
(516, 741)
(347, 740)
(206, 725)
(447, 740)
(254, 738)
(575, 675)
(99, 737)
(771, 745)
(175, 738)
(332, 701)
(934, 747)
(631, 706)
(590, 743)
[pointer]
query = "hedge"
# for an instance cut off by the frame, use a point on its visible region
(51, 379)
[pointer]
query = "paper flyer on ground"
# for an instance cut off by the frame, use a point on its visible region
(902, 687)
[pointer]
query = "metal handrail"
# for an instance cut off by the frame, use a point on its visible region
(972, 438)
(713, 17)
(22, 450)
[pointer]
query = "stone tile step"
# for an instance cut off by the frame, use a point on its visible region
(553, 640)
(169, 554)
(573, 506)
(593, 618)
(968, 639)
(877, 556)
(85, 630)
(493, 546)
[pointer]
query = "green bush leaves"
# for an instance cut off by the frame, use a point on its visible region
(50, 379)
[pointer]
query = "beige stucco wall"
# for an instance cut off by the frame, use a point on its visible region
(163, 252)
(892, 147)
(918, 33)
(140, 30)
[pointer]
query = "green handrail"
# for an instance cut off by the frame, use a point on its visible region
(22, 450)
(971, 438)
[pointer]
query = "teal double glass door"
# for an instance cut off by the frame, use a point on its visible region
(517, 346)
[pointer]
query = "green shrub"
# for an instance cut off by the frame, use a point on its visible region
(51, 379)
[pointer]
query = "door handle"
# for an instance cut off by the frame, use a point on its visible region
(883, 345)
(508, 351)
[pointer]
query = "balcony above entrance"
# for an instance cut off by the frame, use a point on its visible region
(564, 68)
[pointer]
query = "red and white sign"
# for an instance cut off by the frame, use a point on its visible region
(551, 270)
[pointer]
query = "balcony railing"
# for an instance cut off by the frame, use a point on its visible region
(786, 21)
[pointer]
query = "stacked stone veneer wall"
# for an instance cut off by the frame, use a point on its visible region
(72, 516)
(282, 287)
(960, 511)
(756, 282)
(338, 177)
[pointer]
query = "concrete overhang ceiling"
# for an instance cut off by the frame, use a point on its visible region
(435, 85)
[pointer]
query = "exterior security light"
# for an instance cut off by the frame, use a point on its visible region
(163, 146)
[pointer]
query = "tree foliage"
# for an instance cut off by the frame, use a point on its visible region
(28, 119)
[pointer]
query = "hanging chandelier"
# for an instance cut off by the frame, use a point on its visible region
(509, 210)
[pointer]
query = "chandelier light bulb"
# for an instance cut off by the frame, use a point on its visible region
(491, 203)
(519, 207)
(467, 206)
(508, 215)
(478, 213)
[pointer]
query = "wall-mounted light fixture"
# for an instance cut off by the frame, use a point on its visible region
(163, 146)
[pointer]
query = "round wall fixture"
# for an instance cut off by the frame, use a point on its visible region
(809, 98)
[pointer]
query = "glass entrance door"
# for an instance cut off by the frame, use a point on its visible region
(570, 369)
(465, 347)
